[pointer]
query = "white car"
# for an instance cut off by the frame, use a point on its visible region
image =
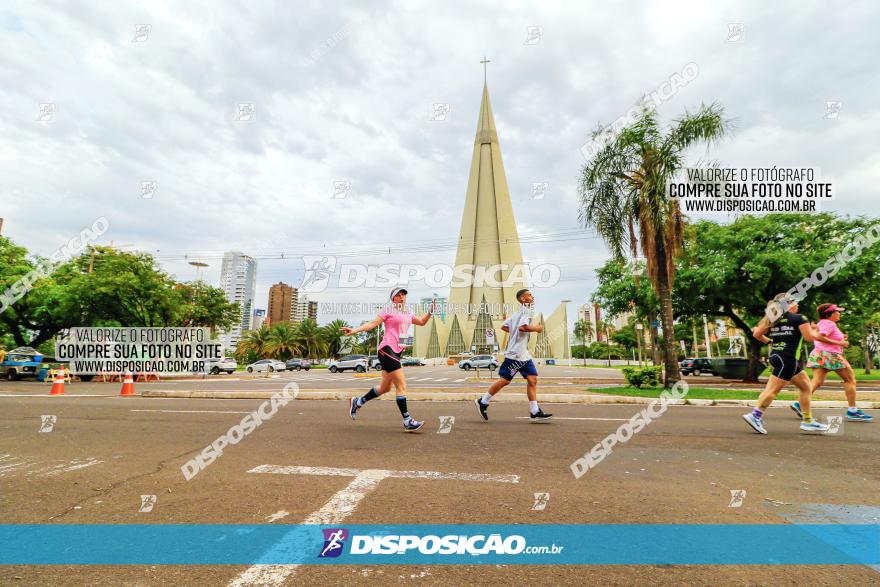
(358, 363)
(270, 365)
(478, 362)
(226, 365)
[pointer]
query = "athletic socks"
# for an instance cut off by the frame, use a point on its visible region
(367, 397)
(487, 397)
(808, 417)
(533, 408)
(757, 413)
(401, 405)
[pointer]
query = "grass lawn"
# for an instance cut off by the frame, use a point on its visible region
(860, 375)
(693, 393)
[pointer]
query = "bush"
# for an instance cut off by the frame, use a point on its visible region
(642, 376)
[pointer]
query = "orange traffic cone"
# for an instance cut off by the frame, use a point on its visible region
(58, 386)
(127, 385)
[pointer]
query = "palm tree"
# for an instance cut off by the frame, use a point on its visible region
(582, 329)
(283, 341)
(310, 339)
(331, 335)
(623, 197)
(252, 342)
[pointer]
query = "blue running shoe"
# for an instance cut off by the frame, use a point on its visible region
(353, 408)
(754, 422)
(814, 427)
(796, 408)
(859, 416)
(412, 425)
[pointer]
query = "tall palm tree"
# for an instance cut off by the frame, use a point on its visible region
(310, 340)
(623, 197)
(283, 341)
(253, 342)
(331, 335)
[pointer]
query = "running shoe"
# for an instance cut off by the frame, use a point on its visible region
(353, 407)
(754, 422)
(540, 416)
(412, 425)
(858, 416)
(814, 427)
(482, 407)
(796, 408)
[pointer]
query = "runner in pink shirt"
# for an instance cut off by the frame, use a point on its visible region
(397, 320)
(827, 357)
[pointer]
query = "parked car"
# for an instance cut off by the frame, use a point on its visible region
(270, 365)
(357, 363)
(696, 367)
(373, 361)
(226, 365)
(298, 364)
(411, 362)
(478, 362)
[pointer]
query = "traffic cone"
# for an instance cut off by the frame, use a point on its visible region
(58, 386)
(127, 385)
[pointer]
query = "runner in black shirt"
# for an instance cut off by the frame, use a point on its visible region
(785, 336)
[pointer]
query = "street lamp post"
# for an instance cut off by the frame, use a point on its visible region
(565, 321)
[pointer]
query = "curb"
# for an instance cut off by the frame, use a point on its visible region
(556, 398)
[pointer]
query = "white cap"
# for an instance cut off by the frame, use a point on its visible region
(396, 291)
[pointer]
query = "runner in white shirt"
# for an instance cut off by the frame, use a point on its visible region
(517, 359)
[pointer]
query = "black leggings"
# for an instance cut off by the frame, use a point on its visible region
(784, 366)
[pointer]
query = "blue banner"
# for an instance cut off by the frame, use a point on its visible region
(608, 544)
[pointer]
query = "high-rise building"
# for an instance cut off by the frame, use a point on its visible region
(259, 318)
(590, 314)
(313, 311)
(238, 279)
(440, 305)
(282, 303)
(304, 308)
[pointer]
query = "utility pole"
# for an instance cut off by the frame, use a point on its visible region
(696, 340)
(706, 335)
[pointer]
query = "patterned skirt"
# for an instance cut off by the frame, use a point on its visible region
(827, 360)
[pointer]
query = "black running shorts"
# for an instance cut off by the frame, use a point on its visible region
(785, 366)
(389, 360)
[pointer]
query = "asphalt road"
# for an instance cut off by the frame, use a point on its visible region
(103, 453)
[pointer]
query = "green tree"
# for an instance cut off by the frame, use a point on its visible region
(310, 339)
(732, 270)
(204, 305)
(332, 337)
(623, 197)
(283, 341)
(253, 344)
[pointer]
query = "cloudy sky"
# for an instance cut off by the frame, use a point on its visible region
(347, 94)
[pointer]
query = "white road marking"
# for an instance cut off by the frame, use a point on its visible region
(277, 516)
(192, 411)
(442, 379)
(340, 506)
(460, 380)
(50, 469)
(599, 419)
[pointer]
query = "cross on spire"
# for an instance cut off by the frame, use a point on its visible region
(484, 62)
